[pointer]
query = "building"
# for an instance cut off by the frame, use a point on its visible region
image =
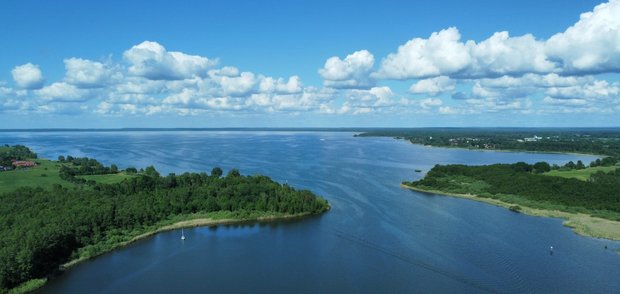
(23, 163)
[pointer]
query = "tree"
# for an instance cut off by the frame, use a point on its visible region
(570, 165)
(131, 170)
(234, 173)
(541, 167)
(151, 172)
(113, 168)
(61, 158)
(217, 172)
(580, 165)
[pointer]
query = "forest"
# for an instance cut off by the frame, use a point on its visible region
(43, 228)
(524, 184)
(599, 141)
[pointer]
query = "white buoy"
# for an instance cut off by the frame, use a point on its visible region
(182, 235)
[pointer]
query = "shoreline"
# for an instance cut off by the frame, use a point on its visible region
(580, 223)
(190, 222)
(185, 221)
(493, 150)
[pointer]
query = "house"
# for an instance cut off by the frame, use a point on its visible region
(23, 163)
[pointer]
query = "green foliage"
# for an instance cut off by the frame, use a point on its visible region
(28, 286)
(513, 183)
(585, 140)
(580, 174)
(42, 228)
(17, 152)
(32, 177)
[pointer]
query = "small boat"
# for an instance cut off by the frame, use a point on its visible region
(182, 235)
(418, 170)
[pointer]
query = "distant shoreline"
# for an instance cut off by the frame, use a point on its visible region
(301, 129)
(581, 224)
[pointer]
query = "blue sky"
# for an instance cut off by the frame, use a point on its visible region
(309, 63)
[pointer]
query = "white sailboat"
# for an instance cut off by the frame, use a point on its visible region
(182, 235)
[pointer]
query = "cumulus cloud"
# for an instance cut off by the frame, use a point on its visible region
(85, 73)
(592, 44)
(441, 54)
(238, 86)
(351, 72)
(592, 90)
(589, 46)
(64, 92)
(28, 76)
(269, 84)
(152, 61)
(433, 86)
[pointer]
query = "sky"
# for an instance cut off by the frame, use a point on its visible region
(116, 64)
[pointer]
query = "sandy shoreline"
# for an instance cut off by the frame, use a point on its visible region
(582, 224)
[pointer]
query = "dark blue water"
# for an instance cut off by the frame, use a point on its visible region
(377, 237)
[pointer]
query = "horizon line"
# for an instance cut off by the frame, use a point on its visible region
(341, 129)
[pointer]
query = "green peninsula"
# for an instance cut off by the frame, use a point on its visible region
(57, 212)
(591, 207)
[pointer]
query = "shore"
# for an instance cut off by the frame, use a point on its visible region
(190, 221)
(183, 221)
(582, 224)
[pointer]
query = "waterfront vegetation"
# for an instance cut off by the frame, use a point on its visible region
(591, 141)
(521, 187)
(81, 209)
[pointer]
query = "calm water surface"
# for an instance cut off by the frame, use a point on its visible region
(377, 237)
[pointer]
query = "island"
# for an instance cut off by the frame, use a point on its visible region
(56, 213)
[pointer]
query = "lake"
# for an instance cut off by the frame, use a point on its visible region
(377, 237)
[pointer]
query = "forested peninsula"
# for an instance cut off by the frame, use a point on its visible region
(588, 198)
(54, 212)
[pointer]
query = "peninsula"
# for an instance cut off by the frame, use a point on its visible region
(55, 213)
(587, 198)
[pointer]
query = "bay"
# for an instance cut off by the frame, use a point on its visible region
(377, 237)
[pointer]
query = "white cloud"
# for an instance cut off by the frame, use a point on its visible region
(86, 73)
(592, 90)
(238, 86)
(592, 45)
(351, 72)
(269, 84)
(151, 60)
(63, 92)
(441, 54)
(430, 102)
(433, 86)
(589, 46)
(28, 76)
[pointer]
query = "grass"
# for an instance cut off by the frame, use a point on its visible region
(28, 286)
(109, 179)
(580, 174)
(580, 222)
(44, 175)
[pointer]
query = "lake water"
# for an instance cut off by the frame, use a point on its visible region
(376, 238)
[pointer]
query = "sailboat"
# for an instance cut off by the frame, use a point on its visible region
(182, 235)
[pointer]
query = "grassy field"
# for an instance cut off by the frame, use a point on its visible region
(581, 174)
(109, 179)
(45, 174)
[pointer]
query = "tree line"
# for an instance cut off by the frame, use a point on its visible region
(598, 196)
